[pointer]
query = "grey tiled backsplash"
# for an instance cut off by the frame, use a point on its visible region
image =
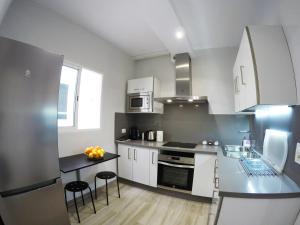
(187, 124)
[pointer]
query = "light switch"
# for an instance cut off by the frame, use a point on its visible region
(123, 131)
(297, 154)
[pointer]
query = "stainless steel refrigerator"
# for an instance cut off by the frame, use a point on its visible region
(31, 191)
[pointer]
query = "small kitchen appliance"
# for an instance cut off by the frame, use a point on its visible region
(150, 135)
(159, 136)
(140, 102)
(134, 133)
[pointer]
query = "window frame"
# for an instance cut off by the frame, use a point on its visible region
(76, 98)
(74, 128)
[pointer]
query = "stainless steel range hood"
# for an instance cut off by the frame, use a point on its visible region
(183, 87)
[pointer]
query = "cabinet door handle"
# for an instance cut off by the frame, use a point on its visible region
(215, 172)
(237, 85)
(216, 181)
(242, 75)
(152, 157)
(236, 88)
(134, 155)
(216, 161)
(128, 151)
(214, 191)
(215, 169)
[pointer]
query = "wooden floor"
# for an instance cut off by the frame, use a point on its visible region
(141, 207)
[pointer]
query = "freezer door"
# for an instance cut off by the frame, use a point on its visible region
(29, 86)
(43, 206)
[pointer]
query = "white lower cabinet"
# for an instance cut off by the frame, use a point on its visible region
(153, 167)
(280, 211)
(125, 161)
(138, 164)
(203, 182)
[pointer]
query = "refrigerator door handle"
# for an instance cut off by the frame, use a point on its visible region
(27, 189)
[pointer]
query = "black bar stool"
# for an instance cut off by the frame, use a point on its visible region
(105, 175)
(76, 186)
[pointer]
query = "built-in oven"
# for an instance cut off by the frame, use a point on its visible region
(140, 102)
(175, 170)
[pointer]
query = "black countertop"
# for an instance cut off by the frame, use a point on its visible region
(80, 161)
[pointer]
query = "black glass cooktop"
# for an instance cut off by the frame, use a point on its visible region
(180, 145)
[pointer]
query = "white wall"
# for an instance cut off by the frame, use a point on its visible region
(29, 22)
(211, 75)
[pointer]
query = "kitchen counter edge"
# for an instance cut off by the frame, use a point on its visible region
(159, 145)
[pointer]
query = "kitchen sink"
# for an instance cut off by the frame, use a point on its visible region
(234, 148)
(237, 151)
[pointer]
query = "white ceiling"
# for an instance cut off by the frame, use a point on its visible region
(144, 28)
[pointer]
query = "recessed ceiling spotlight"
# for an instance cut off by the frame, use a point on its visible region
(179, 34)
(169, 100)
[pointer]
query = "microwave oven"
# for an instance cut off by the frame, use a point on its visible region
(140, 102)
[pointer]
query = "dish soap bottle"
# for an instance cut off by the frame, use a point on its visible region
(246, 143)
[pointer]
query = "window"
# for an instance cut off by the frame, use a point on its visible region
(79, 98)
(89, 100)
(67, 95)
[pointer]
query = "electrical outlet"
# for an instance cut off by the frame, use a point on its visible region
(123, 131)
(297, 154)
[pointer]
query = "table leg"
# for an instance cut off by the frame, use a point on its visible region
(78, 175)
(117, 167)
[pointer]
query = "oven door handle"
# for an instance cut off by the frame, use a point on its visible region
(175, 165)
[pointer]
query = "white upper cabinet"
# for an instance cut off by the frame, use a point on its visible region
(146, 84)
(263, 72)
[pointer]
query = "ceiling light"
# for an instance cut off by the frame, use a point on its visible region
(179, 34)
(169, 100)
(190, 100)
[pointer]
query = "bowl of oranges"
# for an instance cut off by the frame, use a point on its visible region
(94, 152)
